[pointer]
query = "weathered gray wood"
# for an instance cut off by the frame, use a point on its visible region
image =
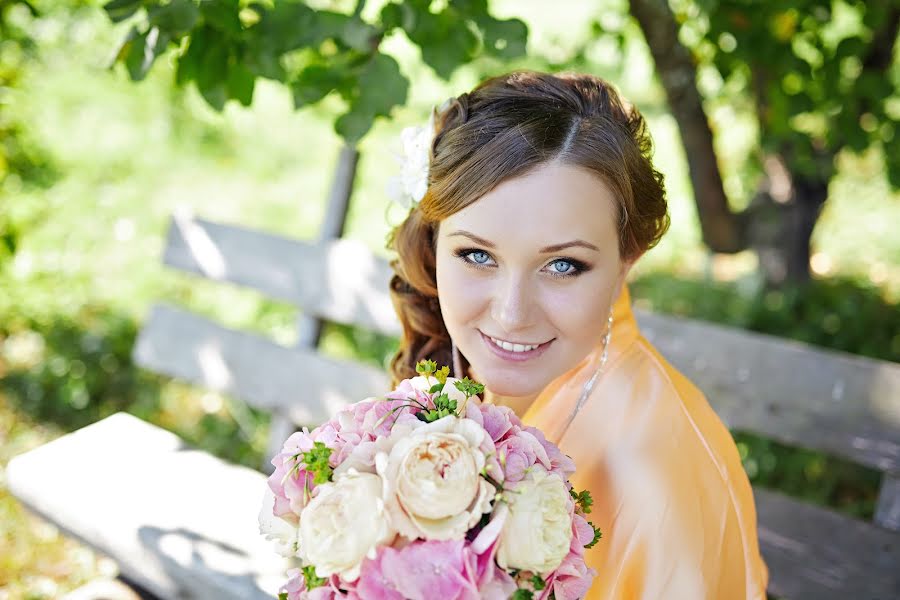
(309, 328)
(179, 522)
(340, 281)
(303, 384)
(887, 512)
(816, 554)
(839, 403)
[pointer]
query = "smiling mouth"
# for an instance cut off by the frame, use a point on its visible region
(513, 347)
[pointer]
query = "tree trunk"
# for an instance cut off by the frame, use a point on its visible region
(678, 73)
(779, 222)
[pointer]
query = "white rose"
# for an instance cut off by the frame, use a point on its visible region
(538, 529)
(280, 531)
(432, 483)
(343, 524)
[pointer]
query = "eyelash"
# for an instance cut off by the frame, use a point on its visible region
(580, 267)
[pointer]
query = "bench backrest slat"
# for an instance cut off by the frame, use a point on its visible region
(302, 384)
(340, 280)
(838, 403)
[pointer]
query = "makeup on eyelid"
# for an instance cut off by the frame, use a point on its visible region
(579, 267)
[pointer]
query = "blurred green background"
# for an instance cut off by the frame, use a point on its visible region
(93, 164)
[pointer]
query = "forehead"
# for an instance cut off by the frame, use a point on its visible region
(552, 204)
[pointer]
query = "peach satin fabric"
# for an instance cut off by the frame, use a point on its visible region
(670, 495)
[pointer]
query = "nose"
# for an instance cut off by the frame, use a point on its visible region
(512, 304)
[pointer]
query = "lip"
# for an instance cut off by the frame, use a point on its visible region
(514, 356)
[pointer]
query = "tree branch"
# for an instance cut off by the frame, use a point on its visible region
(720, 226)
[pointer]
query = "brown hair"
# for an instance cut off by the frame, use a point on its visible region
(504, 128)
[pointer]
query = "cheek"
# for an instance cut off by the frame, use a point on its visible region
(579, 312)
(459, 292)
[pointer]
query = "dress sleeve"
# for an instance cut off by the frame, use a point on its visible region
(678, 524)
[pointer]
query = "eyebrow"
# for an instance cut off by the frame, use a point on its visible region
(544, 250)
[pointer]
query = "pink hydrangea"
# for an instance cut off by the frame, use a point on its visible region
(420, 571)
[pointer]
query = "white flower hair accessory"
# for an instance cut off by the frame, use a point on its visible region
(408, 188)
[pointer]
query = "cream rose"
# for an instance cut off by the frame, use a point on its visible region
(432, 483)
(538, 529)
(343, 524)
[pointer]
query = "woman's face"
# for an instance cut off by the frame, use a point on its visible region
(527, 274)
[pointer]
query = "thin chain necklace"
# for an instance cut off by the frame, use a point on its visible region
(589, 384)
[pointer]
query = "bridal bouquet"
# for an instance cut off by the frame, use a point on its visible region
(426, 494)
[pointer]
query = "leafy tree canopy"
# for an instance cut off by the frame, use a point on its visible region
(224, 46)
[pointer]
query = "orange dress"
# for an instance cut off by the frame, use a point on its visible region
(670, 494)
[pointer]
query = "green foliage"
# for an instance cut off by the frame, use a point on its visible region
(597, 535)
(224, 46)
(469, 387)
(583, 500)
(312, 580)
(822, 75)
(443, 407)
(317, 461)
(22, 162)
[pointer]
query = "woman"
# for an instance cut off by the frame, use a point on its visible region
(540, 198)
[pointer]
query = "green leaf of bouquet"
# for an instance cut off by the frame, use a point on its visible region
(597, 536)
(312, 580)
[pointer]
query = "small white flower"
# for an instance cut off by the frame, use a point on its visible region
(409, 187)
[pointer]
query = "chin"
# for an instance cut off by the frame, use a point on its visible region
(509, 384)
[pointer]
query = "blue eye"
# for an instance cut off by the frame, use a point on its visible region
(562, 267)
(478, 257)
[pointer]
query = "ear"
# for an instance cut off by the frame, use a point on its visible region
(624, 270)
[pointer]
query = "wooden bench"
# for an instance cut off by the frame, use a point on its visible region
(183, 524)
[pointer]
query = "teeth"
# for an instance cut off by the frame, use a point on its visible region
(513, 347)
